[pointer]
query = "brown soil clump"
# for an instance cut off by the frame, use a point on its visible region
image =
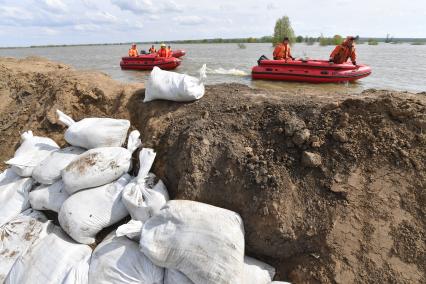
(331, 189)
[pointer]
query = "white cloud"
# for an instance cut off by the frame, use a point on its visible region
(14, 14)
(87, 27)
(50, 31)
(136, 6)
(271, 6)
(148, 7)
(55, 6)
(188, 20)
(102, 17)
(89, 3)
(36, 21)
(154, 17)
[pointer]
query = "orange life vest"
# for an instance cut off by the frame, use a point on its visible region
(342, 53)
(133, 52)
(282, 51)
(163, 52)
(169, 52)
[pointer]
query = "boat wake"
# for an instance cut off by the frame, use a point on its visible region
(222, 71)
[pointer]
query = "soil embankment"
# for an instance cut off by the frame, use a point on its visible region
(331, 189)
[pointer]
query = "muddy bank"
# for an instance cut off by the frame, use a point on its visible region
(331, 188)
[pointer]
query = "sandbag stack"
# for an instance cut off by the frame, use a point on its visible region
(89, 186)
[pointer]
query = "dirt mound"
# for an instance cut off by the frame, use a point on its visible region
(330, 189)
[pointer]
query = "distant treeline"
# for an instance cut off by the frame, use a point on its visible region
(337, 39)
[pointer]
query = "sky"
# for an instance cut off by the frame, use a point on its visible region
(41, 22)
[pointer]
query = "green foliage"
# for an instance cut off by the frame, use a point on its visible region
(251, 40)
(283, 29)
(335, 40)
(372, 41)
(310, 40)
(299, 39)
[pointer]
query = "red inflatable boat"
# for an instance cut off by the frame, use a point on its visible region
(311, 71)
(178, 53)
(148, 62)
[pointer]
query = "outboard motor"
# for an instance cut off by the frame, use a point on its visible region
(263, 57)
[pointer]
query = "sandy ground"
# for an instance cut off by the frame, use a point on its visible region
(331, 187)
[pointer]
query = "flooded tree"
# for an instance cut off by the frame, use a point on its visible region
(283, 29)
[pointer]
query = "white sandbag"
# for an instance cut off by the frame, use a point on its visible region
(204, 242)
(48, 197)
(49, 170)
(132, 230)
(257, 272)
(118, 260)
(20, 234)
(87, 212)
(95, 132)
(100, 166)
(142, 196)
(14, 191)
(51, 261)
(32, 151)
(172, 276)
(166, 85)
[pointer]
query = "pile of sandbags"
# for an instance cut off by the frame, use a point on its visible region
(89, 186)
(18, 235)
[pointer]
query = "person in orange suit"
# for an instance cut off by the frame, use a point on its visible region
(283, 50)
(170, 51)
(133, 51)
(152, 49)
(344, 51)
(163, 52)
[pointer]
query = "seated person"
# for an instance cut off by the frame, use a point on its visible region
(133, 51)
(163, 52)
(283, 51)
(152, 49)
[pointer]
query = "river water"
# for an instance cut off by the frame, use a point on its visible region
(395, 66)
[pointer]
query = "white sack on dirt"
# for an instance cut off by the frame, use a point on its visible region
(17, 236)
(166, 85)
(95, 132)
(257, 272)
(100, 166)
(49, 170)
(143, 197)
(48, 197)
(54, 259)
(87, 212)
(119, 260)
(32, 151)
(172, 276)
(14, 191)
(131, 230)
(204, 242)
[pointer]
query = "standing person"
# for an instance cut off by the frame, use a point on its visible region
(283, 50)
(169, 51)
(152, 49)
(133, 51)
(163, 51)
(344, 51)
